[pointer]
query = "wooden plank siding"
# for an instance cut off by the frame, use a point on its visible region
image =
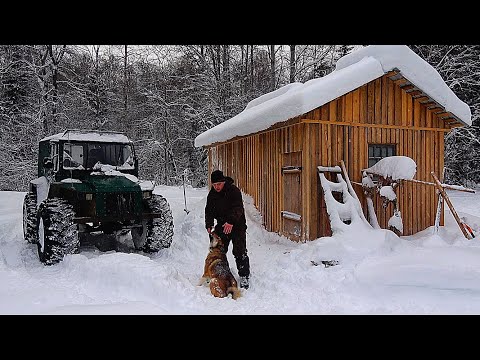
(380, 112)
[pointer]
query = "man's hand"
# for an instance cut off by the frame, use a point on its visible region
(227, 228)
(209, 230)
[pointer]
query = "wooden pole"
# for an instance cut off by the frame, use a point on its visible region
(450, 205)
(352, 191)
(349, 184)
(438, 214)
(445, 186)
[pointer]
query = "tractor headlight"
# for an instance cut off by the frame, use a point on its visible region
(147, 194)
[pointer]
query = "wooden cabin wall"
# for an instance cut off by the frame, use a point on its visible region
(255, 163)
(379, 112)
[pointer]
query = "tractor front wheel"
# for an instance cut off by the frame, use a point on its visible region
(57, 233)
(155, 234)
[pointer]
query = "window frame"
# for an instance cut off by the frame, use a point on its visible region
(380, 147)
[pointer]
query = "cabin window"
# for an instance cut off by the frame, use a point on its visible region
(377, 152)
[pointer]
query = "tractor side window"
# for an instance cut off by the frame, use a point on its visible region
(72, 156)
(54, 155)
(127, 158)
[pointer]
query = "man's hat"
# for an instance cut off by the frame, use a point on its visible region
(217, 176)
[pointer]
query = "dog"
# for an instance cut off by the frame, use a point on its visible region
(217, 271)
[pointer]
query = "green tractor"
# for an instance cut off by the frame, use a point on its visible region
(88, 192)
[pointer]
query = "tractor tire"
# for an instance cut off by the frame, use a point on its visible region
(157, 233)
(30, 219)
(57, 233)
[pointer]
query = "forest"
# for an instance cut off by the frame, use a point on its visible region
(163, 96)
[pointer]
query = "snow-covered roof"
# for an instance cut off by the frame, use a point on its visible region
(89, 135)
(351, 71)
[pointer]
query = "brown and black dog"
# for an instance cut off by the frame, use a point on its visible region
(217, 271)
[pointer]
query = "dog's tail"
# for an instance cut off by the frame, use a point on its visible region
(235, 291)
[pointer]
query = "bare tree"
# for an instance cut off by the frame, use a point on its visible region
(125, 79)
(293, 63)
(271, 55)
(45, 61)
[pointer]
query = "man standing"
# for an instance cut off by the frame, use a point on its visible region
(225, 204)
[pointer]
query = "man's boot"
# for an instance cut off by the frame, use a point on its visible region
(244, 282)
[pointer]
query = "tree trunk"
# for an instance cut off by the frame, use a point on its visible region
(272, 68)
(251, 67)
(226, 71)
(55, 60)
(292, 63)
(125, 82)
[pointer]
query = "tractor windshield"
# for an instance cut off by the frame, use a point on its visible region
(86, 156)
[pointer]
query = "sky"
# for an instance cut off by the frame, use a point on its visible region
(377, 272)
(351, 71)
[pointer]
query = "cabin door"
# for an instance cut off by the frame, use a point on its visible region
(292, 218)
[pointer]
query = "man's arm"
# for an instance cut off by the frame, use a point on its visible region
(209, 214)
(236, 207)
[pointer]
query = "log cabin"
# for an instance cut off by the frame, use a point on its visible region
(380, 101)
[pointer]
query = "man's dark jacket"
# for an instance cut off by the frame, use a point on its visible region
(225, 206)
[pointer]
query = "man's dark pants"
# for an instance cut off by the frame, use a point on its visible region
(239, 242)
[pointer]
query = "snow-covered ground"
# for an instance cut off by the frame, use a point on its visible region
(377, 273)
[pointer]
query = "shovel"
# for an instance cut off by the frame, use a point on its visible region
(184, 195)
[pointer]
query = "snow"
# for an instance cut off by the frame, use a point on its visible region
(291, 216)
(84, 135)
(349, 210)
(388, 192)
(396, 221)
(352, 71)
(371, 214)
(457, 187)
(43, 186)
(378, 272)
(367, 180)
(396, 167)
(101, 170)
(71, 181)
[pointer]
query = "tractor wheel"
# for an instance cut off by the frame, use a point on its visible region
(57, 233)
(157, 233)
(30, 221)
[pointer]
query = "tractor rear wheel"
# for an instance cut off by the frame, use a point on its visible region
(30, 220)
